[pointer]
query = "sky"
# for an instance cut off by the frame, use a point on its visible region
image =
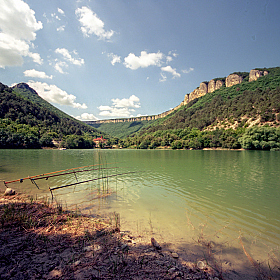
(106, 59)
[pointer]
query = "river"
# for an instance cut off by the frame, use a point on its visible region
(180, 197)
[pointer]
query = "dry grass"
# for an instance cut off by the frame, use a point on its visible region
(39, 240)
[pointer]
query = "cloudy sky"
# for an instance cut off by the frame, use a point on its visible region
(100, 59)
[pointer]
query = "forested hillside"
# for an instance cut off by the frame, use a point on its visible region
(28, 121)
(242, 116)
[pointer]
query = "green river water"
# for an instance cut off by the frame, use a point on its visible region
(176, 196)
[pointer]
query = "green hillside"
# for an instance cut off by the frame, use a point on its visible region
(245, 115)
(31, 95)
(121, 129)
(28, 121)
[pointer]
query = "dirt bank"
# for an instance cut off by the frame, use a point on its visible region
(42, 241)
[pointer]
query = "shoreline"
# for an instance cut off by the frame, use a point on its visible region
(39, 240)
(42, 241)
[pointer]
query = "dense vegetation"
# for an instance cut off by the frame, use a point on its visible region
(246, 116)
(221, 119)
(27, 124)
(122, 129)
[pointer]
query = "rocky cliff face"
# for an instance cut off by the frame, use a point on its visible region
(233, 79)
(255, 74)
(204, 88)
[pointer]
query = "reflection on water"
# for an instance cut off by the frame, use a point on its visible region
(174, 194)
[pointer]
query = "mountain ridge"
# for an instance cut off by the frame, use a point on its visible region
(204, 88)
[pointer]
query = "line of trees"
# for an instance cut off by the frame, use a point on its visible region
(260, 138)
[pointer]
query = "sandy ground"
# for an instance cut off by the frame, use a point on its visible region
(42, 241)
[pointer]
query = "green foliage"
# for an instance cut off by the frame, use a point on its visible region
(121, 129)
(193, 126)
(261, 138)
(27, 124)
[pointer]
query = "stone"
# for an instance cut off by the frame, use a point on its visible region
(219, 84)
(255, 74)
(203, 88)
(55, 274)
(201, 265)
(77, 263)
(211, 86)
(175, 255)
(88, 248)
(233, 79)
(155, 244)
(9, 191)
(172, 270)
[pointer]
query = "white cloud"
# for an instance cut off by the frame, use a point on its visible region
(171, 70)
(173, 53)
(18, 27)
(54, 94)
(60, 28)
(144, 60)
(86, 117)
(55, 16)
(133, 102)
(169, 59)
(117, 112)
(67, 56)
(36, 74)
(105, 108)
(58, 66)
(120, 107)
(163, 77)
(188, 71)
(60, 11)
(92, 24)
(115, 58)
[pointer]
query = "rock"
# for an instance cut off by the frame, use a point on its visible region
(211, 86)
(77, 263)
(88, 248)
(201, 265)
(219, 84)
(233, 79)
(172, 270)
(155, 244)
(255, 74)
(97, 247)
(55, 274)
(214, 85)
(175, 255)
(9, 191)
(124, 247)
(203, 88)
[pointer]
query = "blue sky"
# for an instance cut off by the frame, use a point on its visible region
(103, 59)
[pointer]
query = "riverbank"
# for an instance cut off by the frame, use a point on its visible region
(42, 241)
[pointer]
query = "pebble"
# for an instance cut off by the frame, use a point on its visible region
(88, 248)
(155, 244)
(9, 191)
(77, 263)
(124, 247)
(172, 270)
(200, 265)
(175, 255)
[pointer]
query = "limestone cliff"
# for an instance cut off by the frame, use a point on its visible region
(233, 79)
(204, 88)
(255, 74)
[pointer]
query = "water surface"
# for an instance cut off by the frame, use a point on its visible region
(178, 196)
